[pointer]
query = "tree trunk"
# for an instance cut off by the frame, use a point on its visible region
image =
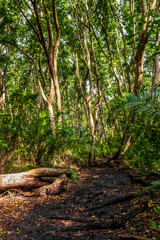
(3, 159)
(124, 43)
(51, 115)
(155, 71)
(30, 178)
(2, 91)
(143, 40)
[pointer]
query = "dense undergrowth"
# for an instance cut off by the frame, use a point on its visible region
(27, 141)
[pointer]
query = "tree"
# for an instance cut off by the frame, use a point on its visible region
(42, 17)
(108, 49)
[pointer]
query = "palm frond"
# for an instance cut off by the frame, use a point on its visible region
(146, 102)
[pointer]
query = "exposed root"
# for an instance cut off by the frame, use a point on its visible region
(103, 224)
(114, 200)
(19, 192)
(131, 237)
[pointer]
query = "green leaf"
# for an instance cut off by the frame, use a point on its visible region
(154, 225)
(149, 187)
(157, 172)
(73, 175)
(157, 189)
(157, 182)
(3, 233)
(158, 211)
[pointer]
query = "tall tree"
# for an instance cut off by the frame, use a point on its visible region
(42, 17)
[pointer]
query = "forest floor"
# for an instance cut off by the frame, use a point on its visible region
(104, 203)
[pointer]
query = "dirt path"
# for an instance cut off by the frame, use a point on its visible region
(102, 204)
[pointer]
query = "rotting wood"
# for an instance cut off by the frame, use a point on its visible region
(41, 191)
(31, 178)
(52, 189)
(57, 186)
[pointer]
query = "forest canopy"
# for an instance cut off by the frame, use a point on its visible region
(79, 81)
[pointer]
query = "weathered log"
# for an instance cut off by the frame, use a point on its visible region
(31, 178)
(57, 186)
(40, 190)
(52, 189)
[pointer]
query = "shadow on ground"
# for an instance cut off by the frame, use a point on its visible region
(102, 204)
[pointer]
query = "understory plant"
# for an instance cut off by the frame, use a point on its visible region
(144, 153)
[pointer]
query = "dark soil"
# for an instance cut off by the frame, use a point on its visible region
(103, 204)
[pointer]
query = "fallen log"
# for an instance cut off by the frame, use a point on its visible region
(52, 189)
(31, 178)
(57, 186)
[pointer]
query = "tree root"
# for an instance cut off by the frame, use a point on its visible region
(114, 200)
(20, 192)
(103, 224)
(131, 237)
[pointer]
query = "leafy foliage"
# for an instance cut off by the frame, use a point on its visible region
(108, 33)
(144, 153)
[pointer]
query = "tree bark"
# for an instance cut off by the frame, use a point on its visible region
(31, 178)
(114, 68)
(55, 188)
(143, 40)
(155, 71)
(88, 93)
(2, 90)
(125, 47)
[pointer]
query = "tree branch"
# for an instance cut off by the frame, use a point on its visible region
(28, 20)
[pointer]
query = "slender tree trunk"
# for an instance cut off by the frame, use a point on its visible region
(127, 139)
(125, 46)
(139, 67)
(87, 97)
(2, 90)
(79, 115)
(111, 56)
(155, 72)
(110, 112)
(50, 51)
(51, 115)
(122, 69)
(3, 159)
(144, 38)
(67, 97)
(103, 125)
